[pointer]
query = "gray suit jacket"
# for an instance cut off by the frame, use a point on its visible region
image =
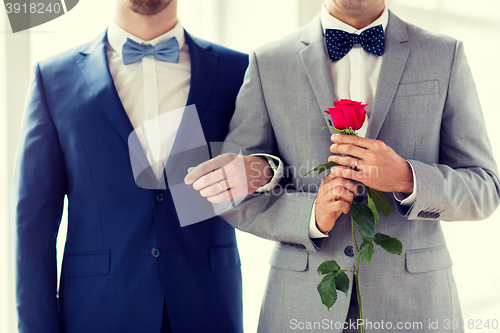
(426, 108)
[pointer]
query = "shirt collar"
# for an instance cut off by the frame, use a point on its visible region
(117, 37)
(330, 22)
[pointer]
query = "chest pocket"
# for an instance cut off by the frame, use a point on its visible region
(417, 89)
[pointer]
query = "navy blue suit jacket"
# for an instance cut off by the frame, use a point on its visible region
(74, 144)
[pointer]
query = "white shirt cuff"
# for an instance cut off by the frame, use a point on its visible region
(408, 200)
(314, 232)
(278, 173)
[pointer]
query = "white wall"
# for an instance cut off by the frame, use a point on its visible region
(14, 77)
(6, 311)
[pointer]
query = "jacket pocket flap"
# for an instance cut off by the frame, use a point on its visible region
(90, 264)
(225, 256)
(418, 88)
(294, 260)
(428, 260)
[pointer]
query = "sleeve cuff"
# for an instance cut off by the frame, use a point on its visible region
(402, 198)
(278, 173)
(313, 229)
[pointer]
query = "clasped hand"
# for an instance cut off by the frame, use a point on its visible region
(220, 180)
(368, 161)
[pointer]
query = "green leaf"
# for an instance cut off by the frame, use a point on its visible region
(371, 204)
(320, 168)
(342, 282)
(363, 217)
(328, 266)
(366, 239)
(366, 251)
(381, 201)
(391, 245)
(327, 290)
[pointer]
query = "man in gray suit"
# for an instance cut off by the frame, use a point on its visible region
(425, 145)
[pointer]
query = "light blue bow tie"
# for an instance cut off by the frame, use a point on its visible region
(167, 50)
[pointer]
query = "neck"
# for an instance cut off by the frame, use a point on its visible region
(146, 27)
(357, 15)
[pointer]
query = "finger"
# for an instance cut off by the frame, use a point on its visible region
(338, 193)
(328, 178)
(345, 172)
(214, 189)
(209, 166)
(338, 206)
(190, 169)
(199, 171)
(221, 197)
(348, 149)
(353, 140)
(346, 196)
(208, 179)
(347, 161)
(343, 182)
(343, 189)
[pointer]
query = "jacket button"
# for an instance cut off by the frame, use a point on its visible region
(349, 251)
(160, 197)
(155, 252)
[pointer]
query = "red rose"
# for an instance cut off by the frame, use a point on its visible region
(347, 113)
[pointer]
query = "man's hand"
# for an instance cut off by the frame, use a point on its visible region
(219, 180)
(371, 162)
(335, 196)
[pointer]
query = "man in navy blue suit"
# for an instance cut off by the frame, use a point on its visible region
(128, 264)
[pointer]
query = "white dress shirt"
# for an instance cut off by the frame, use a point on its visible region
(150, 88)
(355, 77)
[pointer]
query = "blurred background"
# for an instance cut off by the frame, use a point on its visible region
(244, 25)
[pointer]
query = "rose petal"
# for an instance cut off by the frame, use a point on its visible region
(350, 116)
(353, 112)
(337, 118)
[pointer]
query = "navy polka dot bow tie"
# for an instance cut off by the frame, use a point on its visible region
(339, 42)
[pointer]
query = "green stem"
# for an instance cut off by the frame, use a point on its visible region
(360, 298)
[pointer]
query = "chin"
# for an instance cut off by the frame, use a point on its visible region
(148, 7)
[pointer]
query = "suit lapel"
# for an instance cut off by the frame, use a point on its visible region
(94, 67)
(315, 61)
(204, 64)
(393, 64)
